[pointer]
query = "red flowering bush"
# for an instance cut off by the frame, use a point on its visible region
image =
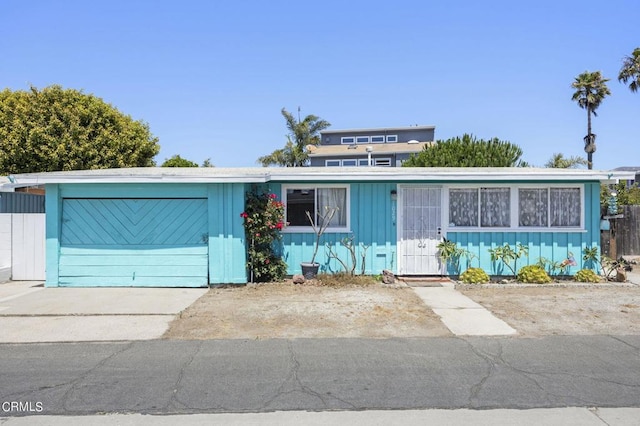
(263, 221)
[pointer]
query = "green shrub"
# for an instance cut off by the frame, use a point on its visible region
(587, 276)
(474, 276)
(533, 274)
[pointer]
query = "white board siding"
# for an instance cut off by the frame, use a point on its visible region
(5, 240)
(5, 247)
(28, 247)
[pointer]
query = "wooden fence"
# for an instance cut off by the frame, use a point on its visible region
(627, 233)
(22, 246)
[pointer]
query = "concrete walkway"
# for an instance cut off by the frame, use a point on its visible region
(30, 313)
(460, 314)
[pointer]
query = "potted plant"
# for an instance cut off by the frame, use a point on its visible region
(310, 269)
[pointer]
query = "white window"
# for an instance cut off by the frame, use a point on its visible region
(332, 163)
(533, 207)
(382, 162)
(556, 207)
(526, 206)
(377, 139)
(348, 140)
(495, 207)
(362, 139)
(316, 200)
(392, 138)
(363, 162)
(463, 207)
(349, 163)
(565, 207)
(484, 207)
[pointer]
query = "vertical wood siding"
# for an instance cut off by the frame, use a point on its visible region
(28, 247)
(5, 247)
(22, 246)
(373, 223)
(5, 240)
(227, 255)
(554, 246)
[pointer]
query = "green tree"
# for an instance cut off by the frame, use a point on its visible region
(630, 71)
(467, 151)
(559, 161)
(301, 134)
(207, 163)
(625, 195)
(64, 129)
(177, 161)
(591, 89)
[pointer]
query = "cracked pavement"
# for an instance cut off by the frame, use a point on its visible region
(164, 376)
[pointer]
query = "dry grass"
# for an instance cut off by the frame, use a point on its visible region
(343, 279)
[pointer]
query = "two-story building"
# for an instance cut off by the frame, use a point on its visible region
(387, 147)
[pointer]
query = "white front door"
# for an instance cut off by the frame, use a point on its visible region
(419, 230)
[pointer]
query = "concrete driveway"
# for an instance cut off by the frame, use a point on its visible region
(31, 313)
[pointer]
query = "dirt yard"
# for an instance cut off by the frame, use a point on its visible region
(286, 310)
(543, 311)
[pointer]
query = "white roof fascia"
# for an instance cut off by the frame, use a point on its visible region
(443, 174)
(334, 174)
(57, 177)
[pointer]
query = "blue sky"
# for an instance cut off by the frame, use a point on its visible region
(210, 77)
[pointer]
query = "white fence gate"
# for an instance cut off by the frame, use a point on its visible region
(22, 246)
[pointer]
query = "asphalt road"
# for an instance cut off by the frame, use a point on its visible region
(320, 374)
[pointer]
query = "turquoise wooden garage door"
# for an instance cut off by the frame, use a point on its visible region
(134, 243)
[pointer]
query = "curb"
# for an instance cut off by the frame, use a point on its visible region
(462, 286)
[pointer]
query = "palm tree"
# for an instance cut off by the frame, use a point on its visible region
(591, 89)
(301, 134)
(559, 161)
(631, 70)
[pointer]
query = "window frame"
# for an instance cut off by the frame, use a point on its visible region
(514, 200)
(392, 138)
(344, 140)
(381, 137)
(315, 187)
(326, 163)
(382, 160)
(365, 139)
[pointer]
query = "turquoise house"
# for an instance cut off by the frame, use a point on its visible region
(183, 227)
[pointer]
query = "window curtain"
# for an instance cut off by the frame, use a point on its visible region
(565, 206)
(495, 207)
(533, 207)
(329, 198)
(463, 207)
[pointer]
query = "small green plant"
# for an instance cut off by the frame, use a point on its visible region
(533, 274)
(450, 254)
(506, 254)
(474, 276)
(587, 276)
(590, 256)
(552, 267)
